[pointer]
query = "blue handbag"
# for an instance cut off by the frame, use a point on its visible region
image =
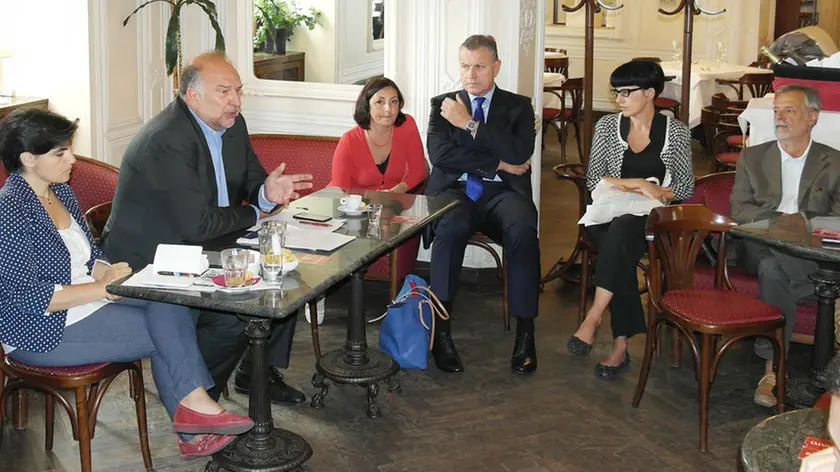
(405, 333)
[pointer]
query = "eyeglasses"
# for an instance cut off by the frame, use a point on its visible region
(624, 92)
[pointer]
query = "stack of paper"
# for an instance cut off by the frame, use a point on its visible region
(306, 239)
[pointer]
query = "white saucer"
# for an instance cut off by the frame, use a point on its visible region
(349, 212)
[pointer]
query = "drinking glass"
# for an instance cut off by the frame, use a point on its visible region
(374, 212)
(234, 266)
(272, 241)
(676, 51)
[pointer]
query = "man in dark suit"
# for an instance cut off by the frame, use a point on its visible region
(780, 180)
(182, 181)
(480, 142)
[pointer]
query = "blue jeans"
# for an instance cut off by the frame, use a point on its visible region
(129, 330)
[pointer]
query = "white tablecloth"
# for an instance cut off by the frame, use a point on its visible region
(702, 83)
(552, 79)
(759, 116)
(554, 55)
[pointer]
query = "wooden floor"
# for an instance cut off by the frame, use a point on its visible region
(484, 419)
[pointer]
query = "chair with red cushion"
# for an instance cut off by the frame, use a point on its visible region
(89, 383)
(713, 191)
(564, 116)
(702, 316)
(93, 182)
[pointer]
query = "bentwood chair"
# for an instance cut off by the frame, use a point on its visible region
(702, 316)
(89, 384)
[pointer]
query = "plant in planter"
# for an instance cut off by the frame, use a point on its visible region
(172, 45)
(277, 21)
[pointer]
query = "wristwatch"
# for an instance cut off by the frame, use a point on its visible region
(472, 125)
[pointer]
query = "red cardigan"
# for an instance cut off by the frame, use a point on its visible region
(353, 165)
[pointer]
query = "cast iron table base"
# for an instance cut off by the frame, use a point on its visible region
(264, 448)
(355, 365)
(803, 393)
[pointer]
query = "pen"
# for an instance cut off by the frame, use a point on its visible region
(176, 274)
(315, 224)
(301, 208)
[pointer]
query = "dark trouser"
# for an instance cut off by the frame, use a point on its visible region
(130, 330)
(782, 282)
(222, 342)
(621, 243)
(508, 218)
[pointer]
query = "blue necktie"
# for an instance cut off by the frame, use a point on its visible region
(475, 186)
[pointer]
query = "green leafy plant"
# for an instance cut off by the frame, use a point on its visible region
(172, 45)
(273, 15)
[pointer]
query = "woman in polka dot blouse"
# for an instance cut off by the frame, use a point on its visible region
(54, 310)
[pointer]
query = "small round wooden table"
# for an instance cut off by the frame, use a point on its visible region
(773, 445)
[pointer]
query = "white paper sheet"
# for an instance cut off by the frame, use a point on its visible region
(310, 240)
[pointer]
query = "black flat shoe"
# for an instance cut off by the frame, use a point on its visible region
(278, 390)
(610, 372)
(579, 347)
(524, 358)
(444, 353)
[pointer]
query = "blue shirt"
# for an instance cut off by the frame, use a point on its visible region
(214, 142)
(488, 97)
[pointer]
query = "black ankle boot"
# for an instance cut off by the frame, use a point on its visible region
(444, 353)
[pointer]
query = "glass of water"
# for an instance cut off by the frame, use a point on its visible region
(234, 266)
(272, 237)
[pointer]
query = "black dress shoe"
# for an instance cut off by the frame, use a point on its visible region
(444, 353)
(524, 358)
(278, 390)
(610, 372)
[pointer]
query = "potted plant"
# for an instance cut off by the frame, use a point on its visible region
(276, 22)
(172, 45)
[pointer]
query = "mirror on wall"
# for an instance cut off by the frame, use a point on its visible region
(556, 16)
(325, 41)
(377, 30)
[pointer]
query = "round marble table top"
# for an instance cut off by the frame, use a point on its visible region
(773, 445)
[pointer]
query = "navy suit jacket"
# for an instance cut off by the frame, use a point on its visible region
(508, 135)
(33, 259)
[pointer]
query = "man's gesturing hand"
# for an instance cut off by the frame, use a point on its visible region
(280, 189)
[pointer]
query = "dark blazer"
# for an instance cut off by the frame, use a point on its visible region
(508, 135)
(33, 260)
(167, 192)
(757, 192)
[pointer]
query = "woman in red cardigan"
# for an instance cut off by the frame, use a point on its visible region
(384, 152)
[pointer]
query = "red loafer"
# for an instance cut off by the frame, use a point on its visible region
(205, 445)
(192, 422)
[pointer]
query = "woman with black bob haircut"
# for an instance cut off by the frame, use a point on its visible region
(636, 151)
(54, 310)
(384, 152)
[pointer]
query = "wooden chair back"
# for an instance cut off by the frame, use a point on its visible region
(675, 236)
(96, 217)
(573, 88)
(759, 85)
(557, 65)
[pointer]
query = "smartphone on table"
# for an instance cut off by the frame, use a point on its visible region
(312, 217)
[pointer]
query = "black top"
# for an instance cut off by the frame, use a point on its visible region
(382, 167)
(648, 162)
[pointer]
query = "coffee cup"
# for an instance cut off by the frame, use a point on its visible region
(351, 202)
